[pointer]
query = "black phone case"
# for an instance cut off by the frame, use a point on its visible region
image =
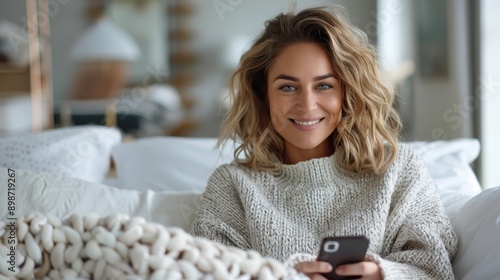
(342, 250)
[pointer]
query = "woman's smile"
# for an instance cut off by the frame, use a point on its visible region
(307, 124)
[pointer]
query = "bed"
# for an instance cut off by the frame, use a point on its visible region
(65, 173)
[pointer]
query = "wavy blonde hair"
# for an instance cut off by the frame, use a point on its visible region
(366, 137)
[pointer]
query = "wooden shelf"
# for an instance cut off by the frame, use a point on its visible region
(182, 80)
(181, 9)
(14, 79)
(183, 58)
(181, 34)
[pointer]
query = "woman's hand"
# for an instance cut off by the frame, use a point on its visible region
(367, 270)
(313, 269)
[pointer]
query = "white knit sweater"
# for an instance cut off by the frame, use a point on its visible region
(280, 215)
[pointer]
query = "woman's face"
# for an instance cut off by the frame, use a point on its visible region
(305, 101)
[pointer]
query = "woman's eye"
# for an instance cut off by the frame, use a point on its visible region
(287, 88)
(324, 86)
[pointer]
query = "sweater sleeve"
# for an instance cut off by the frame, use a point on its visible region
(424, 244)
(220, 216)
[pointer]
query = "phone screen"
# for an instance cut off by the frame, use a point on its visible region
(342, 250)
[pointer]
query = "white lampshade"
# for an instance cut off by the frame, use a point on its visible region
(105, 41)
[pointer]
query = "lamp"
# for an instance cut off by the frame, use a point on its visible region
(103, 51)
(105, 41)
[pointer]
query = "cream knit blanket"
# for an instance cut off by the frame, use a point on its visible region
(121, 247)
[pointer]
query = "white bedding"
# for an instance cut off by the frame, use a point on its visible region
(60, 196)
(185, 164)
(477, 225)
(81, 152)
(168, 163)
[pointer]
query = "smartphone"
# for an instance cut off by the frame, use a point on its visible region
(342, 250)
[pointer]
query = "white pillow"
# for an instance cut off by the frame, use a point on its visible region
(185, 164)
(477, 225)
(81, 152)
(448, 164)
(62, 196)
(168, 163)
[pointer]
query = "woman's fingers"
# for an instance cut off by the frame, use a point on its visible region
(317, 277)
(313, 267)
(361, 268)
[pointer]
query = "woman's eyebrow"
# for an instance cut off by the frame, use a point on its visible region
(322, 77)
(286, 77)
(295, 79)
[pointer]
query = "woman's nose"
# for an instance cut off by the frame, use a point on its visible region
(306, 101)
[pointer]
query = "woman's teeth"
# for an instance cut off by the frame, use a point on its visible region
(306, 123)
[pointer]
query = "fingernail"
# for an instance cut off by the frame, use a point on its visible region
(339, 270)
(328, 267)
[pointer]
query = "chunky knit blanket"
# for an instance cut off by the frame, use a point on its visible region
(121, 247)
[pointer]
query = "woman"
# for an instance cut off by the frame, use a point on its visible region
(318, 156)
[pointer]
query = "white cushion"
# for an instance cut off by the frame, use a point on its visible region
(168, 163)
(81, 152)
(61, 196)
(185, 164)
(477, 225)
(448, 164)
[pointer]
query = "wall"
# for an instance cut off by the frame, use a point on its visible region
(396, 45)
(66, 23)
(489, 96)
(147, 28)
(13, 11)
(444, 108)
(438, 101)
(433, 109)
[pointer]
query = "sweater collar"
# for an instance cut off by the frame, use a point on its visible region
(313, 170)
